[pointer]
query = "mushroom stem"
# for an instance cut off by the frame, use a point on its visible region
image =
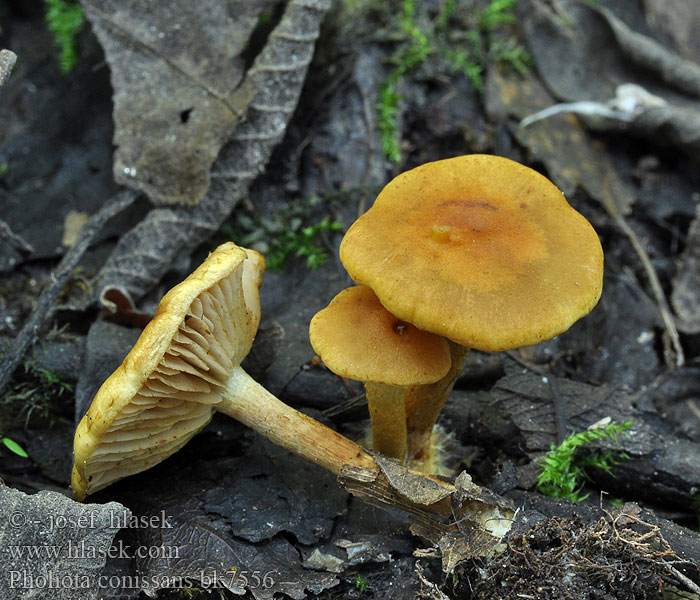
(423, 406)
(387, 414)
(247, 401)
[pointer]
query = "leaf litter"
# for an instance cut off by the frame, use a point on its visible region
(618, 200)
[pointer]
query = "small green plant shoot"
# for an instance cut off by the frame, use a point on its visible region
(33, 394)
(13, 446)
(290, 232)
(564, 472)
(360, 584)
(301, 242)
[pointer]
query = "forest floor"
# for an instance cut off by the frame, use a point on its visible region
(391, 86)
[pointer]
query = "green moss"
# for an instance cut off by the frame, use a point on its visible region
(64, 20)
(458, 37)
(301, 242)
(32, 397)
(564, 470)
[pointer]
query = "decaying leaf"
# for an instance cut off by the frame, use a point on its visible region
(677, 22)
(54, 544)
(178, 94)
(259, 496)
(464, 521)
(650, 54)
(623, 80)
(528, 400)
(430, 590)
(212, 518)
(660, 466)
(144, 254)
(560, 142)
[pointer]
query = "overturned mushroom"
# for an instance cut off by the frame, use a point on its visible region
(185, 366)
(481, 250)
(357, 337)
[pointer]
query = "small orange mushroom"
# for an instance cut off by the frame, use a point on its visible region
(356, 337)
(481, 250)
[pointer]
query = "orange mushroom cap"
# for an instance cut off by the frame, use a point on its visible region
(479, 249)
(358, 338)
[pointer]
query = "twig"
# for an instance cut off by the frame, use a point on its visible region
(7, 61)
(673, 351)
(559, 413)
(14, 240)
(432, 591)
(684, 579)
(45, 306)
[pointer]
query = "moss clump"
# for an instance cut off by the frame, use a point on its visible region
(564, 471)
(64, 20)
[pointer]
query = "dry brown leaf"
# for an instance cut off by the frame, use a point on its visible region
(177, 75)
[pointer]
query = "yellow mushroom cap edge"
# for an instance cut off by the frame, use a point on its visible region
(118, 391)
(357, 337)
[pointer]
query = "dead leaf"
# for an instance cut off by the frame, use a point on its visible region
(678, 22)
(411, 486)
(635, 111)
(664, 468)
(260, 496)
(177, 74)
(528, 399)
(145, 253)
(560, 142)
(222, 504)
(603, 55)
(365, 535)
(650, 54)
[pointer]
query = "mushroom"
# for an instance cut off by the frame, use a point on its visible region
(357, 337)
(481, 250)
(185, 366)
